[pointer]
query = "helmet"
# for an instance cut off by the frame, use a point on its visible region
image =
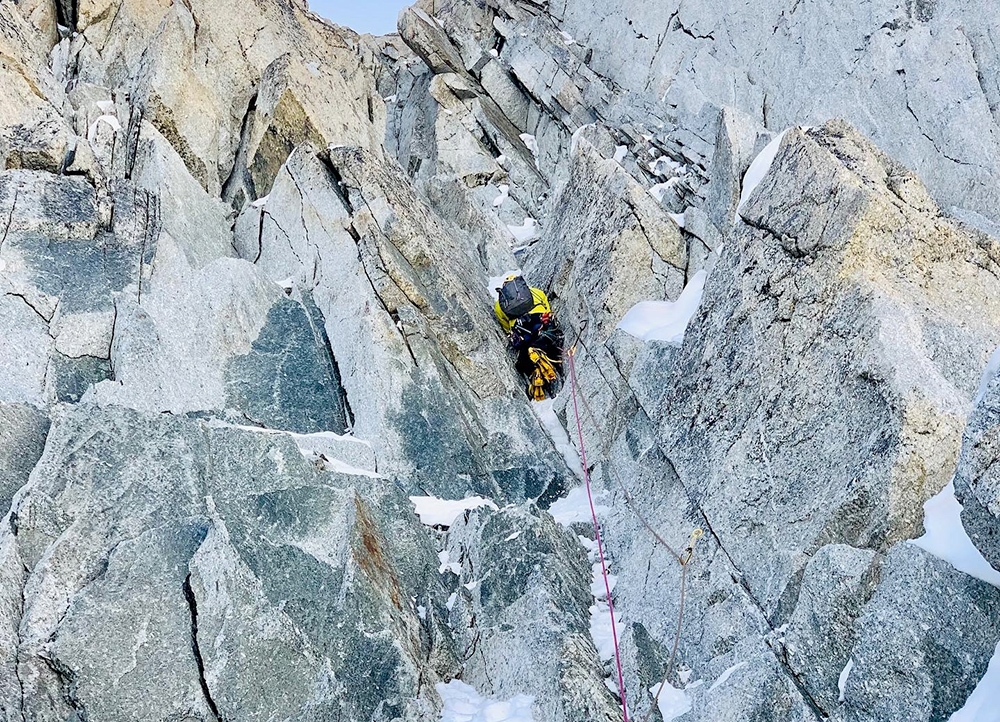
(507, 279)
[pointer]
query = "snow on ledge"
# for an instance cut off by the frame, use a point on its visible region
(574, 144)
(665, 320)
(443, 512)
(342, 467)
(462, 703)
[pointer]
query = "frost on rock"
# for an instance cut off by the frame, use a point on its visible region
(666, 320)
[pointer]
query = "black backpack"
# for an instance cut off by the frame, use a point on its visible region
(515, 298)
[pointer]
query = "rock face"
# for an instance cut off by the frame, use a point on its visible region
(247, 262)
(211, 559)
(977, 485)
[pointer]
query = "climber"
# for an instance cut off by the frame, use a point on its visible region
(526, 317)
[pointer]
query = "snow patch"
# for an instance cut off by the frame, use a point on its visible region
(620, 153)
(663, 166)
(443, 512)
(677, 218)
(597, 589)
(672, 702)
(462, 703)
(110, 120)
(574, 143)
(495, 283)
(447, 565)
(659, 189)
(531, 143)
(665, 320)
(567, 38)
(842, 681)
(600, 630)
(343, 467)
(590, 545)
(261, 202)
(311, 446)
(759, 168)
(526, 232)
(503, 197)
(547, 415)
(945, 537)
(574, 508)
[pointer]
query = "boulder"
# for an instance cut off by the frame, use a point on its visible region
(923, 642)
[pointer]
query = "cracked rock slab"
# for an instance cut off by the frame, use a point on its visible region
(220, 562)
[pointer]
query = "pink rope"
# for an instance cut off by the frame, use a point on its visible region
(597, 535)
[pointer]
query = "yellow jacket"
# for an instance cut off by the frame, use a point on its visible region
(541, 306)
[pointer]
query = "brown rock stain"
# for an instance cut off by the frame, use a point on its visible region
(372, 558)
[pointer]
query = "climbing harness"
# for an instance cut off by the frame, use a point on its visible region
(574, 392)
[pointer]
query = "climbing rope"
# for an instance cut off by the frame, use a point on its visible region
(574, 392)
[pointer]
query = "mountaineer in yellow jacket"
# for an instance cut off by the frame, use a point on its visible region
(526, 317)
